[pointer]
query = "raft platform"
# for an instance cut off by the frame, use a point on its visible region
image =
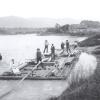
(45, 71)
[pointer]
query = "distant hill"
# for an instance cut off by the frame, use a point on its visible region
(13, 21)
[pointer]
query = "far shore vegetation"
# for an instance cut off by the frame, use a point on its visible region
(84, 28)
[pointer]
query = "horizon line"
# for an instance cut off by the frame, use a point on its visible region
(50, 18)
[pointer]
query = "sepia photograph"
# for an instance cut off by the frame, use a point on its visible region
(49, 50)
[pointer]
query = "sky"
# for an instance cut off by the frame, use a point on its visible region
(76, 9)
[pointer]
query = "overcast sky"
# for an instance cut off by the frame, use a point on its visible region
(76, 9)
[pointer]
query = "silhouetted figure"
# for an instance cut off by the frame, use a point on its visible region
(62, 46)
(38, 55)
(46, 46)
(75, 44)
(0, 56)
(39, 58)
(67, 46)
(52, 52)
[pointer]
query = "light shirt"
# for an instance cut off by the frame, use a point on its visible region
(13, 68)
(46, 43)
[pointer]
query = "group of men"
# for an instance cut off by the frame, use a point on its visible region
(64, 46)
(38, 57)
(67, 46)
(39, 54)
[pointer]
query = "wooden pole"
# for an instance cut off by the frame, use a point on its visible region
(11, 90)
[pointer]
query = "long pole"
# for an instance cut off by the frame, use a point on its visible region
(11, 90)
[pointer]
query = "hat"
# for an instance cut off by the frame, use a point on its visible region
(38, 49)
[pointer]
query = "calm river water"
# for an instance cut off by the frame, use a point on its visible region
(21, 47)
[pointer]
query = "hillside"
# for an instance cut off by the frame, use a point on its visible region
(16, 22)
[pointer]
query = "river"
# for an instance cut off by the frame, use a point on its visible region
(22, 47)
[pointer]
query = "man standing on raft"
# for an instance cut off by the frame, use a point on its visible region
(38, 55)
(67, 47)
(62, 46)
(53, 52)
(46, 46)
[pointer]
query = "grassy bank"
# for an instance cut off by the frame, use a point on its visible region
(85, 89)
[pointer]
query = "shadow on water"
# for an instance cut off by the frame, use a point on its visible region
(29, 90)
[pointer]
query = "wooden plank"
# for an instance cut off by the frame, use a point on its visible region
(48, 63)
(30, 78)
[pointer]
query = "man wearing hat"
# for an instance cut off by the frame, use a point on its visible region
(38, 55)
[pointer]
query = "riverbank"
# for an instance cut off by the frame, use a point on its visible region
(44, 32)
(62, 34)
(85, 89)
(90, 41)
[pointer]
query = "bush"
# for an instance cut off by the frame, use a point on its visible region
(84, 89)
(91, 41)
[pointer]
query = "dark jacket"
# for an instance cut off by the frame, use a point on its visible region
(38, 54)
(62, 45)
(52, 49)
(0, 57)
(67, 44)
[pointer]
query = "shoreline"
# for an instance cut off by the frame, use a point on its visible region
(43, 35)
